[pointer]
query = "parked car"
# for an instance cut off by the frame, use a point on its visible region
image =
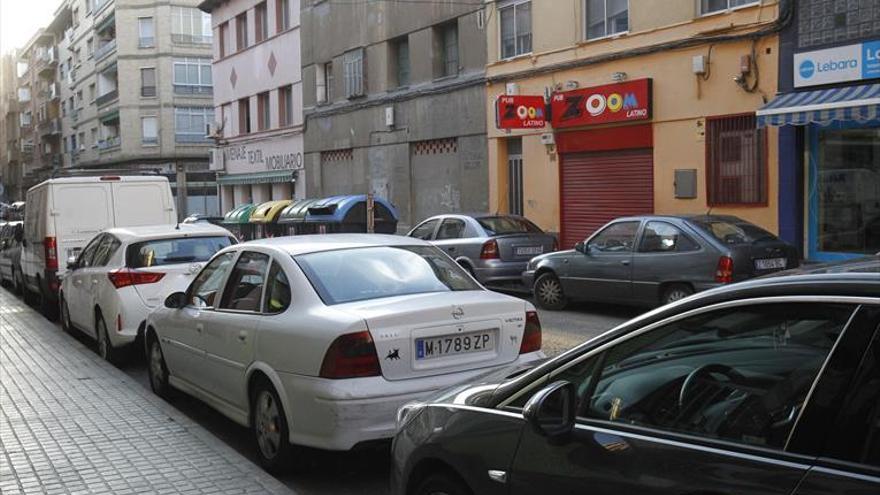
(10, 254)
(493, 248)
(64, 214)
(123, 273)
(767, 386)
(653, 259)
(317, 340)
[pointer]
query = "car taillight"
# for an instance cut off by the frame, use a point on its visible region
(118, 323)
(490, 250)
(125, 277)
(531, 340)
(351, 355)
(724, 271)
(51, 249)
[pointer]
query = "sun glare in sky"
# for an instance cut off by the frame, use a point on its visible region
(20, 19)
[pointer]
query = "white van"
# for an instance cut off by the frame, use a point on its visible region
(64, 214)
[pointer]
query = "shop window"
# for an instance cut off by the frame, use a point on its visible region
(516, 28)
(607, 17)
(736, 161)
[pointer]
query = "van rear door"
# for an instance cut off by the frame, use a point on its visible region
(79, 212)
(143, 203)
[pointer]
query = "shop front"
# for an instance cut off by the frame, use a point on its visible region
(261, 170)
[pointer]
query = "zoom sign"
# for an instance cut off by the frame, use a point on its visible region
(621, 102)
(520, 112)
(839, 64)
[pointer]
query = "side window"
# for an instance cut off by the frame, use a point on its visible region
(244, 290)
(424, 231)
(662, 237)
(616, 238)
(739, 374)
(278, 292)
(105, 250)
(203, 291)
(451, 228)
(88, 253)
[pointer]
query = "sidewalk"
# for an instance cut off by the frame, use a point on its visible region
(71, 423)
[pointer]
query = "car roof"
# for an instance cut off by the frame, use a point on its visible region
(304, 244)
(167, 231)
(110, 179)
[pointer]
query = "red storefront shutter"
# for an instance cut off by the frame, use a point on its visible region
(601, 186)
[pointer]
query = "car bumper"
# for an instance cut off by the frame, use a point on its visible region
(528, 278)
(340, 414)
(494, 271)
(133, 312)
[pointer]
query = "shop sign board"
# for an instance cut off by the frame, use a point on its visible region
(279, 153)
(619, 102)
(838, 64)
(520, 112)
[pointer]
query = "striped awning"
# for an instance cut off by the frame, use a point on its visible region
(823, 107)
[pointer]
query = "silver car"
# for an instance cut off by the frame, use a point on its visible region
(495, 249)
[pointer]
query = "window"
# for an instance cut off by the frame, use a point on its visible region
(90, 46)
(278, 293)
(325, 82)
(191, 124)
(225, 115)
(737, 165)
(451, 228)
(710, 6)
(263, 114)
(607, 17)
(616, 238)
(150, 130)
(190, 25)
(244, 116)
(424, 231)
(146, 32)
(193, 76)
(224, 36)
(77, 56)
(87, 255)
(92, 93)
(740, 374)
(449, 50)
(285, 106)
(503, 225)
(516, 29)
(163, 252)
(241, 34)
(204, 288)
(261, 19)
(94, 136)
(79, 98)
(662, 237)
(401, 58)
(244, 290)
(148, 81)
(353, 65)
(105, 250)
(282, 15)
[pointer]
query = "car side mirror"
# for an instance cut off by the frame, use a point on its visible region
(582, 247)
(176, 300)
(551, 411)
(72, 264)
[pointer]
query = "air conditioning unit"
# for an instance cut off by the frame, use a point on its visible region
(217, 160)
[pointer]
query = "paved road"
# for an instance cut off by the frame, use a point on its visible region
(365, 472)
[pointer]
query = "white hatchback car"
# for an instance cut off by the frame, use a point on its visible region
(318, 340)
(123, 273)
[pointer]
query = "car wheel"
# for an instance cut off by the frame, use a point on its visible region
(17, 283)
(270, 428)
(49, 310)
(548, 292)
(157, 369)
(675, 292)
(105, 347)
(64, 311)
(442, 484)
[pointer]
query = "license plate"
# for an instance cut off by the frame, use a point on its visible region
(771, 264)
(529, 250)
(451, 345)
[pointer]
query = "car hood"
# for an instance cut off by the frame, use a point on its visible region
(551, 256)
(479, 389)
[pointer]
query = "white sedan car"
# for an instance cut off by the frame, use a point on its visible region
(123, 273)
(317, 340)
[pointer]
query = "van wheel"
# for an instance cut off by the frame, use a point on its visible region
(675, 292)
(105, 348)
(548, 292)
(269, 426)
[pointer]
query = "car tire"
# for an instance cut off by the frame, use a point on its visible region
(64, 314)
(442, 484)
(157, 370)
(104, 346)
(17, 283)
(269, 427)
(675, 292)
(548, 292)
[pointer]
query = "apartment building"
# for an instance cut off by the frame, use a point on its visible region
(651, 109)
(10, 152)
(136, 93)
(393, 93)
(258, 100)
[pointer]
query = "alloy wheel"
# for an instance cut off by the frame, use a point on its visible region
(676, 295)
(157, 367)
(550, 292)
(268, 425)
(103, 339)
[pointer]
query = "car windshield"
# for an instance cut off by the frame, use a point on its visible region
(508, 225)
(733, 232)
(172, 251)
(348, 275)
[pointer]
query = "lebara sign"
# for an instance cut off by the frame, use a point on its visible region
(621, 102)
(839, 64)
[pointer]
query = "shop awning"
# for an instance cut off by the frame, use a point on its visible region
(273, 177)
(823, 107)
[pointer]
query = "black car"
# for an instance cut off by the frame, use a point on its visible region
(764, 387)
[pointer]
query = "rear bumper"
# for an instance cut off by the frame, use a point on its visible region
(528, 279)
(489, 271)
(133, 312)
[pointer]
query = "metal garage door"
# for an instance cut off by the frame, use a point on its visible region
(601, 186)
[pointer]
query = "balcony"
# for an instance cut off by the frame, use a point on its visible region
(189, 89)
(109, 143)
(53, 92)
(47, 61)
(105, 49)
(191, 39)
(50, 127)
(107, 98)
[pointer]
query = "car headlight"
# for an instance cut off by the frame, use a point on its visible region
(407, 412)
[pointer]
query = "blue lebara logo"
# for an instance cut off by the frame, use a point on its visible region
(807, 68)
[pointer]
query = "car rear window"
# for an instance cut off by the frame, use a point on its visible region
(349, 275)
(173, 251)
(733, 232)
(508, 225)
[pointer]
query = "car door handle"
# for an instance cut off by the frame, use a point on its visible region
(199, 328)
(625, 262)
(242, 336)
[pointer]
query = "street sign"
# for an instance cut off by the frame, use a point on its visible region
(520, 112)
(619, 102)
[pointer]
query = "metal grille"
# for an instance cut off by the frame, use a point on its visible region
(736, 161)
(515, 176)
(435, 146)
(337, 156)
